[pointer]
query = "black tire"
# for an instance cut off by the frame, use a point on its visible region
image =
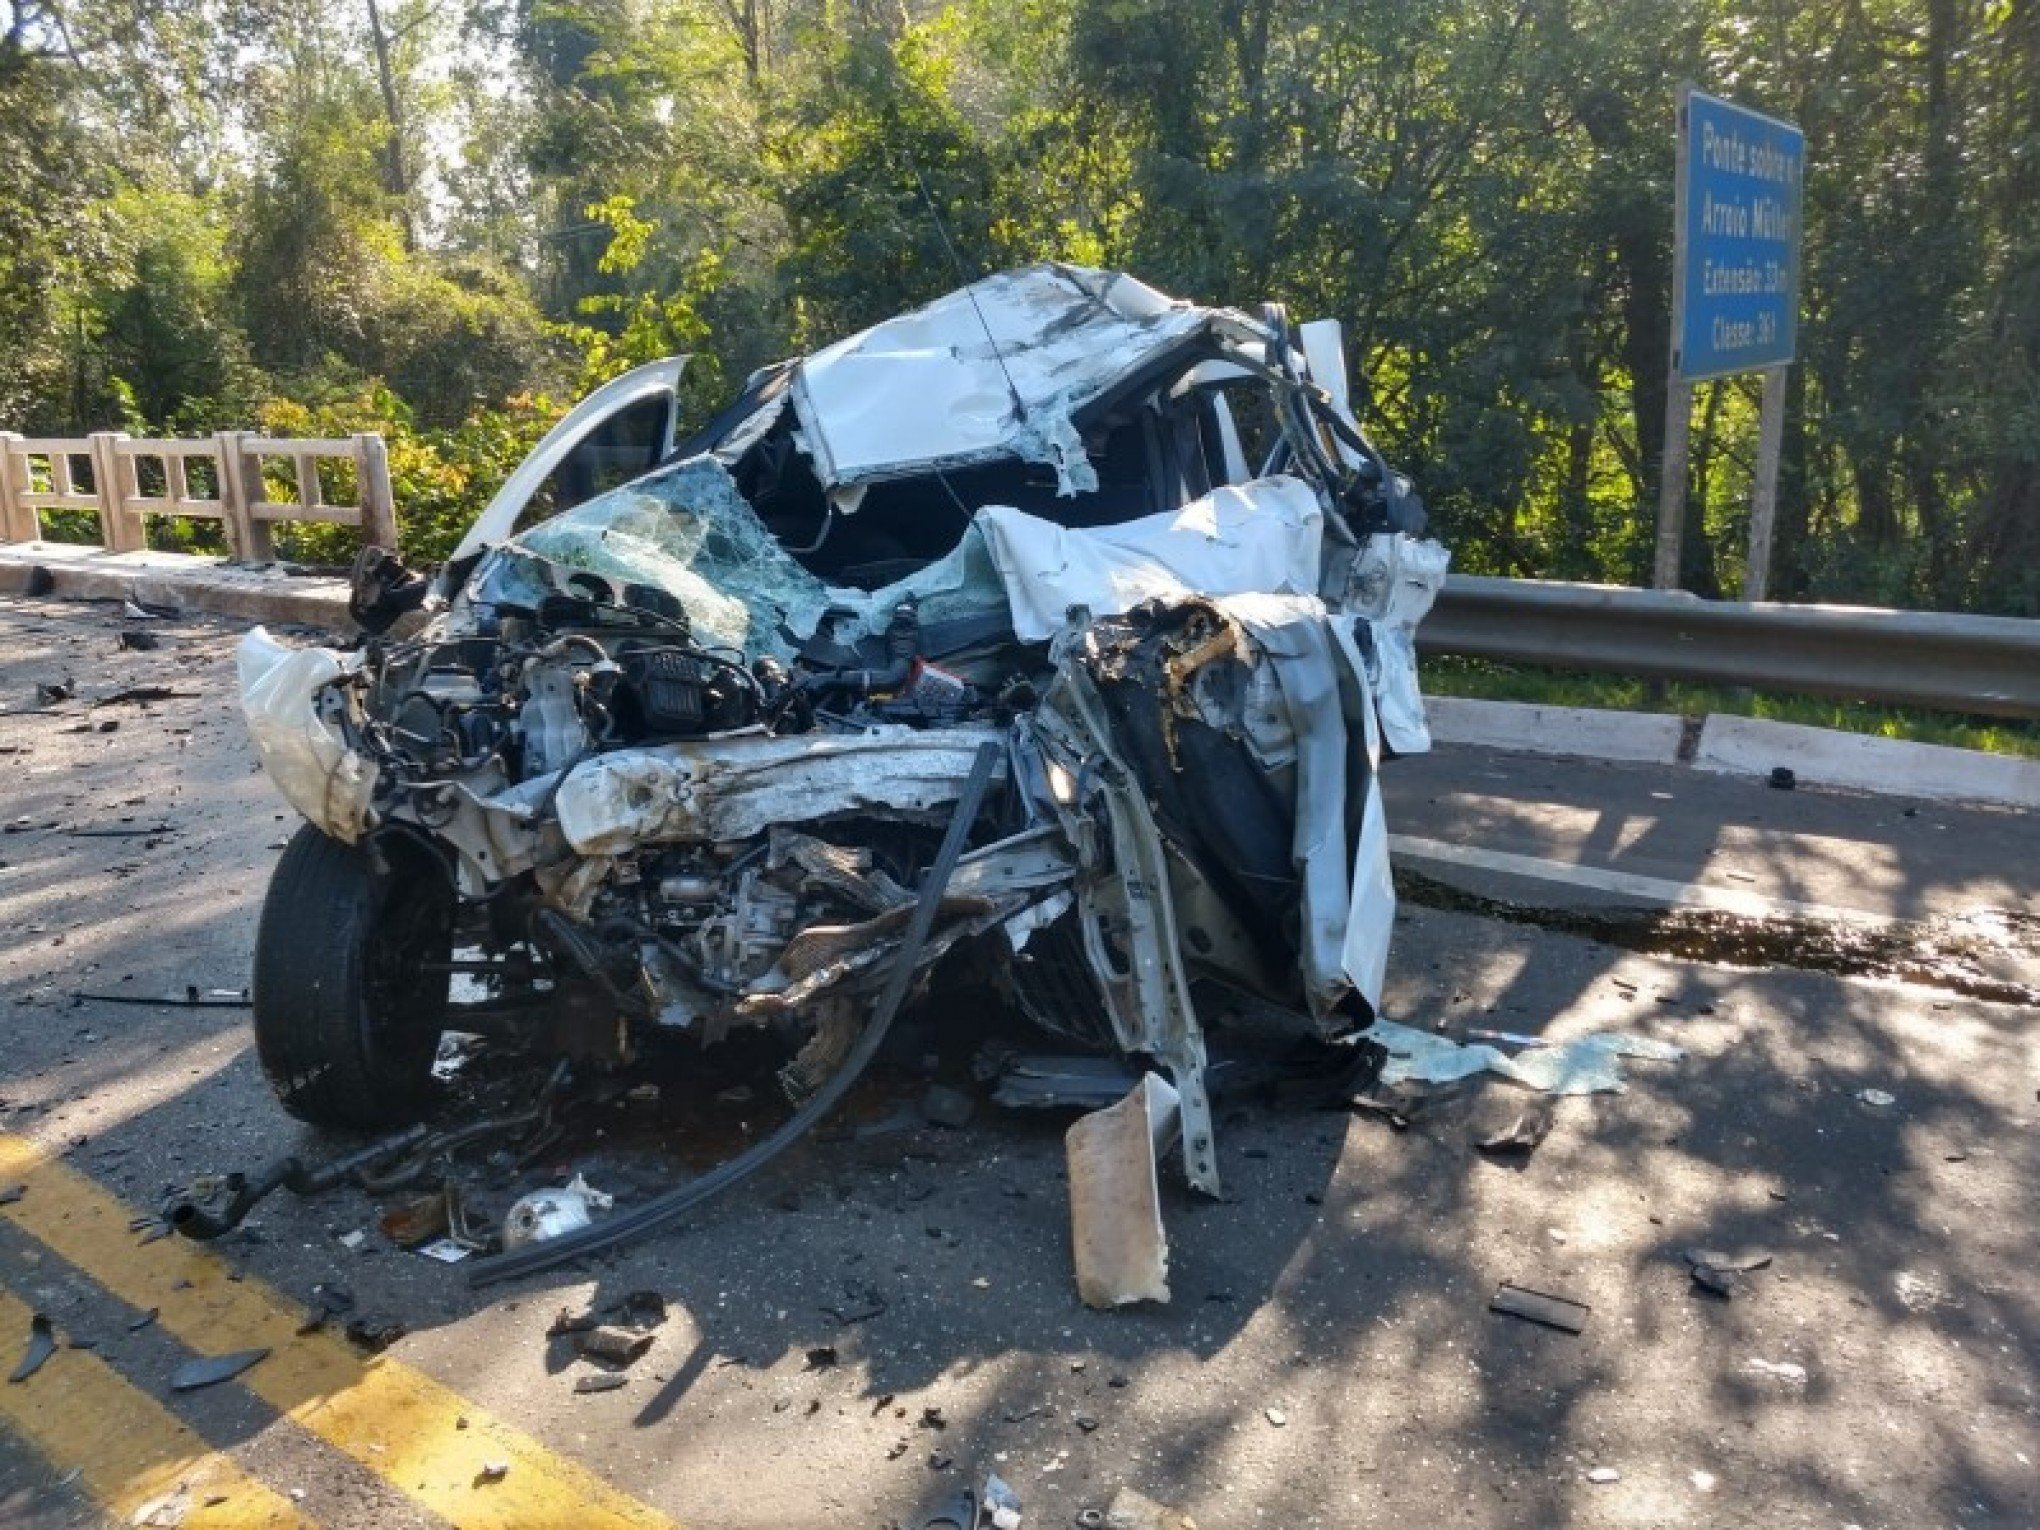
(347, 1021)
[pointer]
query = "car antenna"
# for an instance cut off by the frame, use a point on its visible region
(956, 260)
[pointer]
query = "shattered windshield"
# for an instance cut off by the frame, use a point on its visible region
(687, 530)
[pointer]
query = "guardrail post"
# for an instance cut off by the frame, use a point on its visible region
(240, 480)
(114, 477)
(372, 486)
(18, 521)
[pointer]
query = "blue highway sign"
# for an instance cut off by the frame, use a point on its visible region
(1739, 200)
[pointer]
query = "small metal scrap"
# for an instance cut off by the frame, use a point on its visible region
(1536, 1307)
(213, 1369)
(42, 1343)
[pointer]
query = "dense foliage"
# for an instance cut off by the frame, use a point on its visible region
(446, 217)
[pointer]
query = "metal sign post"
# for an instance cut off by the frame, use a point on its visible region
(1735, 298)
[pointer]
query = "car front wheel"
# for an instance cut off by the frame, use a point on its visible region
(350, 987)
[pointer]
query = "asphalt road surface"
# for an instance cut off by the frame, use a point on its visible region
(889, 1312)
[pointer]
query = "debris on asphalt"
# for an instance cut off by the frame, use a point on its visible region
(1122, 1252)
(1603, 1475)
(957, 1513)
(50, 692)
(1518, 1140)
(1585, 1065)
(1535, 1306)
(1720, 1273)
(445, 1250)
(1783, 778)
(547, 1214)
(1130, 1510)
(374, 1334)
(600, 1381)
(138, 642)
(1788, 1371)
(1714, 1280)
(354, 1241)
(136, 695)
(1275, 1416)
(820, 1358)
(1001, 1503)
(42, 1343)
(1040, 1082)
(213, 1369)
(191, 998)
(943, 1106)
(420, 1219)
(615, 1346)
(638, 1309)
(137, 1324)
(9, 1194)
(492, 1471)
(1876, 1097)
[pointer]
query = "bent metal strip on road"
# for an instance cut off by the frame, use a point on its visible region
(426, 1440)
(1628, 884)
(130, 1452)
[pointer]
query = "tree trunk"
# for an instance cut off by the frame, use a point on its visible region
(396, 176)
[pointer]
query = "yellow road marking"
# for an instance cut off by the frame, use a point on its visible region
(131, 1451)
(423, 1438)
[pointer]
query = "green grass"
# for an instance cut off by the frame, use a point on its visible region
(1493, 681)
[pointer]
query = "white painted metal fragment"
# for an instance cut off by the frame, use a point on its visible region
(1122, 1253)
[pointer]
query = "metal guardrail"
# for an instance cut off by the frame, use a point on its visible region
(1980, 664)
(101, 473)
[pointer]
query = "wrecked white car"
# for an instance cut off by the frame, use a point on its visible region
(1058, 618)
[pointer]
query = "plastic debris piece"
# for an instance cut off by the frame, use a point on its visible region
(213, 1369)
(1002, 1503)
(1536, 1307)
(1783, 778)
(1603, 1475)
(600, 1381)
(1276, 1416)
(492, 1471)
(353, 1241)
(42, 1343)
(1877, 1097)
(445, 1250)
(9, 1194)
(545, 1214)
(820, 1358)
